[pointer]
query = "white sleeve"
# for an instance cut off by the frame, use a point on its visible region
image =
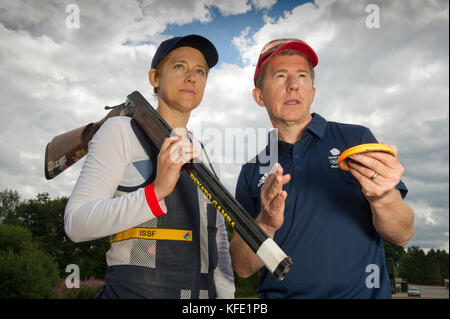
(91, 212)
(223, 274)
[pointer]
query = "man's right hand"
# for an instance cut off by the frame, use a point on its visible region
(273, 198)
(174, 153)
(245, 262)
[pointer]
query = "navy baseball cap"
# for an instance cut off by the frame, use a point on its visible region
(194, 41)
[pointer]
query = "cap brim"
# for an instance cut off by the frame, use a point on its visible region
(302, 48)
(294, 45)
(202, 44)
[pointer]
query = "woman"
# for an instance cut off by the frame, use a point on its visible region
(166, 240)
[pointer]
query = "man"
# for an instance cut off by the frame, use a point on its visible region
(330, 221)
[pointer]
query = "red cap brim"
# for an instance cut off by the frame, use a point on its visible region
(301, 47)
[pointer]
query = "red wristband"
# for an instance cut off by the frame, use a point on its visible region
(152, 201)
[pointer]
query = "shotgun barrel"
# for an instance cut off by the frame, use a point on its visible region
(156, 129)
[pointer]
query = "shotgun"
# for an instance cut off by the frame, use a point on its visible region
(69, 147)
(156, 129)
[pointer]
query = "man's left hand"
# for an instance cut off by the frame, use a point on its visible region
(377, 172)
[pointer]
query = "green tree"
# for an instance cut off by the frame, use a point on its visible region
(421, 268)
(437, 266)
(395, 252)
(44, 217)
(443, 258)
(433, 274)
(246, 287)
(9, 200)
(413, 265)
(26, 271)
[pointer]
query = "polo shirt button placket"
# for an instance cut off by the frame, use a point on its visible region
(296, 161)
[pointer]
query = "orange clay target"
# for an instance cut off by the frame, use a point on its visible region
(371, 147)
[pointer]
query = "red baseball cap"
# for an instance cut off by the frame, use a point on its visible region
(277, 45)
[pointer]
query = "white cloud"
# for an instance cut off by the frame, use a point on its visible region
(393, 79)
(263, 4)
(407, 58)
(228, 107)
(55, 79)
(229, 7)
(431, 226)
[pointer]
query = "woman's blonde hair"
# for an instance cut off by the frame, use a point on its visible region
(158, 69)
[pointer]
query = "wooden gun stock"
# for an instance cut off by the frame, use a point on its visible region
(66, 149)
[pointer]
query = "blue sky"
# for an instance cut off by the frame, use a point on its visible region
(222, 29)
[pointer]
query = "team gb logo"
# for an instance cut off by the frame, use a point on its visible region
(334, 156)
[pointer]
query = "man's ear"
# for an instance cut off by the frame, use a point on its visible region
(257, 96)
(313, 94)
(153, 78)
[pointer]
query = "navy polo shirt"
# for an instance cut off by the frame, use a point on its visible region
(327, 229)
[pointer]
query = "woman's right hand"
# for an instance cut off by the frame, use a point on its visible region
(174, 153)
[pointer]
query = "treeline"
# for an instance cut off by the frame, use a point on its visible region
(44, 218)
(34, 248)
(418, 267)
(35, 251)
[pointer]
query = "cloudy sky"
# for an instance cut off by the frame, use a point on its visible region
(384, 66)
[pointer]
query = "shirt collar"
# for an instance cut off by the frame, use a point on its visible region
(317, 126)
